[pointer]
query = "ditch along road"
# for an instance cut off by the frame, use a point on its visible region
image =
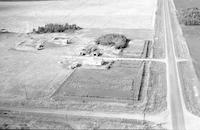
(173, 79)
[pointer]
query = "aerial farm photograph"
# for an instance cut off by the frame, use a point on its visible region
(100, 64)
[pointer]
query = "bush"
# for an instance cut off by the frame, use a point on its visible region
(117, 40)
(190, 16)
(51, 28)
(91, 50)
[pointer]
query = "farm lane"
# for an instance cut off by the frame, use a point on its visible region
(114, 115)
(117, 59)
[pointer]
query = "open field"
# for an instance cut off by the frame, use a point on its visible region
(55, 87)
(182, 4)
(189, 69)
(41, 70)
(191, 33)
(20, 69)
(34, 75)
(190, 88)
(153, 96)
(24, 16)
(121, 82)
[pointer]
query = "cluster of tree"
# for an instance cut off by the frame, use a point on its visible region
(51, 28)
(190, 16)
(117, 40)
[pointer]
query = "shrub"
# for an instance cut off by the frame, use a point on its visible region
(190, 16)
(51, 28)
(117, 40)
(91, 50)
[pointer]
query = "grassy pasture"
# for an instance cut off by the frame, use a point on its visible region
(23, 16)
(191, 33)
(182, 4)
(116, 83)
